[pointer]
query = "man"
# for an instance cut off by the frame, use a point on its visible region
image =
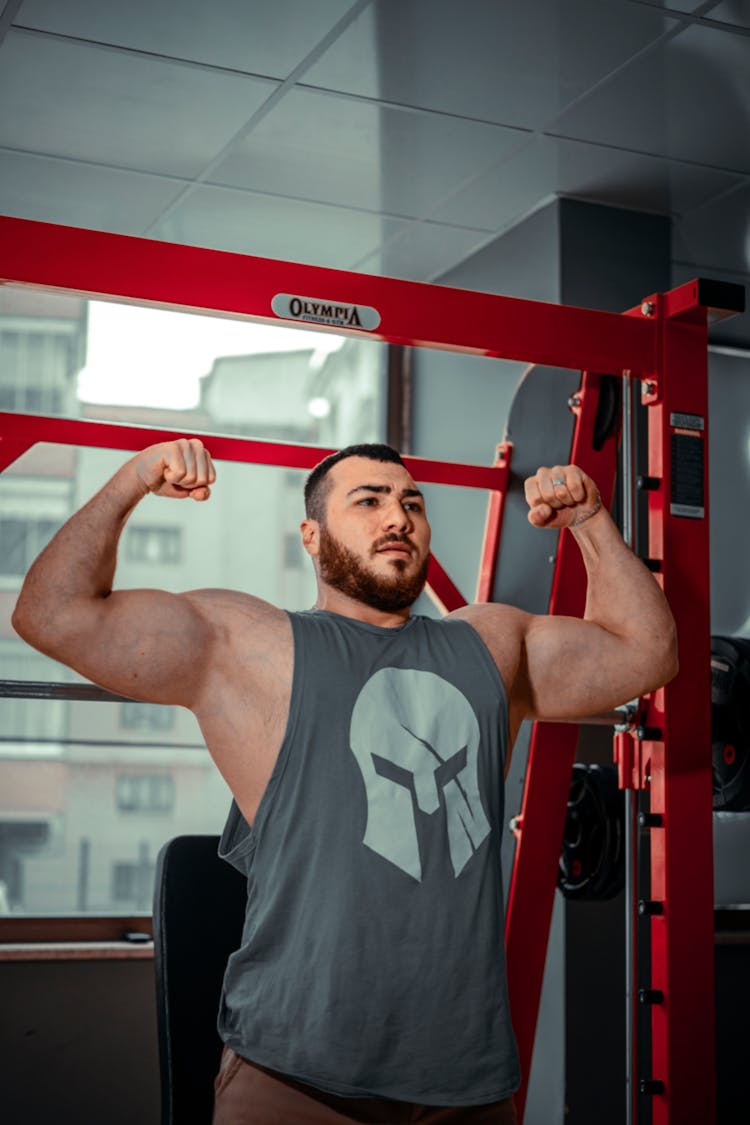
(365, 749)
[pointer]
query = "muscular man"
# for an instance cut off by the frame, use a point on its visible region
(365, 748)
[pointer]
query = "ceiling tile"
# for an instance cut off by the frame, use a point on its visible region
(686, 6)
(423, 251)
(80, 195)
(546, 167)
(355, 153)
(734, 12)
(717, 235)
(515, 63)
(91, 103)
(689, 99)
(267, 226)
(269, 39)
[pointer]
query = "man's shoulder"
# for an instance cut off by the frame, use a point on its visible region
(489, 615)
(235, 608)
(502, 628)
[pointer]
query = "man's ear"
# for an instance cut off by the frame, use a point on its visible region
(310, 536)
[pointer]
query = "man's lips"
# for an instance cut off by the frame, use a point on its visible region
(395, 545)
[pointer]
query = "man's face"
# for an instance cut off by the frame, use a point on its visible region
(374, 543)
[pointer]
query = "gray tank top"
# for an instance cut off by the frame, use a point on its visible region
(372, 960)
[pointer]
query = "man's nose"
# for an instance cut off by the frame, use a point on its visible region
(396, 517)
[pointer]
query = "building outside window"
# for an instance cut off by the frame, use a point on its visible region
(22, 540)
(153, 544)
(132, 883)
(146, 716)
(144, 793)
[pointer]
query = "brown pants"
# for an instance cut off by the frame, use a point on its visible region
(247, 1094)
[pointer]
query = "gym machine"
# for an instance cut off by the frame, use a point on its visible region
(657, 351)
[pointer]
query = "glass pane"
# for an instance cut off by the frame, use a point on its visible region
(90, 791)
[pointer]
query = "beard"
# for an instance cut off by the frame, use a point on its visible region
(342, 569)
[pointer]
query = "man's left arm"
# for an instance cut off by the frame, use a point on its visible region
(625, 645)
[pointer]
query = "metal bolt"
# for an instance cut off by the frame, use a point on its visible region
(650, 996)
(650, 908)
(651, 1086)
(574, 401)
(649, 388)
(647, 308)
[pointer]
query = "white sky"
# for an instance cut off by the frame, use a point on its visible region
(153, 357)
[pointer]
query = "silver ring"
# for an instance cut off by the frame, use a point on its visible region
(556, 482)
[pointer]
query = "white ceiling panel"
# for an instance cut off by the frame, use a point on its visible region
(358, 154)
(734, 12)
(79, 195)
(423, 251)
(271, 227)
(546, 167)
(516, 63)
(269, 38)
(676, 5)
(688, 99)
(717, 235)
(109, 107)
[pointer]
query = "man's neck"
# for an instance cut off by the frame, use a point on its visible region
(336, 602)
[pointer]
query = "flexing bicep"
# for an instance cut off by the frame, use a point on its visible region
(147, 644)
(572, 668)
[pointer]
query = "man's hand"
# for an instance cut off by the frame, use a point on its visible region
(176, 469)
(562, 496)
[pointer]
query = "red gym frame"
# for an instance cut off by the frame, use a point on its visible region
(663, 343)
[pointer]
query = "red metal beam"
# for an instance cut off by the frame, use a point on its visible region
(441, 588)
(682, 937)
(144, 270)
(18, 432)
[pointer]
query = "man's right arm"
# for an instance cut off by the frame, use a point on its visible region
(146, 644)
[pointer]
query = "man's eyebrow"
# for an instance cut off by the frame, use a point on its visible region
(384, 488)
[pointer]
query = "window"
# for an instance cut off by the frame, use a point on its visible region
(145, 793)
(153, 544)
(132, 883)
(104, 775)
(146, 716)
(21, 540)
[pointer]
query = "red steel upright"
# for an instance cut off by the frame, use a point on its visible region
(663, 343)
(678, 720)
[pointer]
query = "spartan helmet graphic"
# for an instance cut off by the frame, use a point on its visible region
(414, 735)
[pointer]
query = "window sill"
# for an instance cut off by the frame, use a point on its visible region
(76, 951)
(78, 929)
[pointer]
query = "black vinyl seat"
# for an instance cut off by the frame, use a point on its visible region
(199, 908)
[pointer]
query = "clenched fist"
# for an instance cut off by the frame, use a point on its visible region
(176, 469)
(562, 496)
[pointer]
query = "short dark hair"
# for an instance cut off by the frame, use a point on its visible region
(317, 485)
